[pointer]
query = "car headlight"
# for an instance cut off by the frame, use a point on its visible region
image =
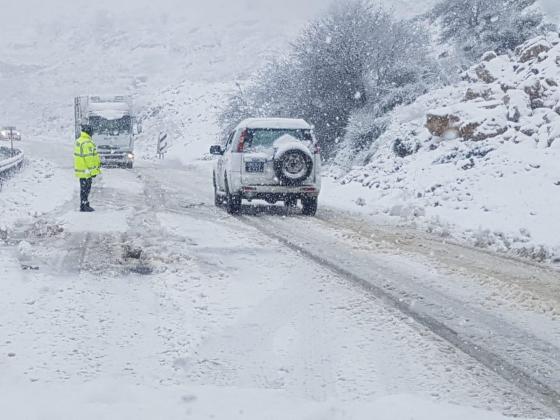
(131, 156)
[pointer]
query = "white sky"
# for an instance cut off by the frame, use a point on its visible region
(27, 11)
(552, 8)
(45, 9)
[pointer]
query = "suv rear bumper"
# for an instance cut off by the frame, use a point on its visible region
(265, 192)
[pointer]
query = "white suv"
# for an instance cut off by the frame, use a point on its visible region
(268, 159)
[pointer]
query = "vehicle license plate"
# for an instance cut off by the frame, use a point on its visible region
(254, 166)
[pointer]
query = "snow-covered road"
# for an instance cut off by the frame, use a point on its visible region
(161, 306)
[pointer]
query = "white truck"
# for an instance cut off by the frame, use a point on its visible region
(114, 124)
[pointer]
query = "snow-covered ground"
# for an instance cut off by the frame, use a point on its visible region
(161, 306)
(160, 303)
(40, 187)
(114, 401)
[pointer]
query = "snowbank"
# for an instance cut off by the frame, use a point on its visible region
(478, 160)
(38, 189)
(115, 400)
(98, 222)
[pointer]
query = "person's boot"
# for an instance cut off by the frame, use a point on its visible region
(85, 208)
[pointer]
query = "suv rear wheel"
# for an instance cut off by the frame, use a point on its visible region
(309, 206)
(233, 201)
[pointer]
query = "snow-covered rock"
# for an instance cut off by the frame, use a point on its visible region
(489, 56)
(533, 49)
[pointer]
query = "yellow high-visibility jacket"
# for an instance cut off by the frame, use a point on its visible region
(87, 163)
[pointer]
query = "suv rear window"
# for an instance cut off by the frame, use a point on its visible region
(265, 137)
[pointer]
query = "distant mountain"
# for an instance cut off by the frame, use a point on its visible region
(138, 50)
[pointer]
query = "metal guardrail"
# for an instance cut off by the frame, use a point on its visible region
(9, 164)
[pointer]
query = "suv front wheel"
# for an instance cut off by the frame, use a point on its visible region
(218, 201)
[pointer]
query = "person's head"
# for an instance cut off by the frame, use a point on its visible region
(88, 129)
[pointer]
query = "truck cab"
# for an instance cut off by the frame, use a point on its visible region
(114, 127)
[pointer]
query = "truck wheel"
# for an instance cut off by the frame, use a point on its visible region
(309, 206)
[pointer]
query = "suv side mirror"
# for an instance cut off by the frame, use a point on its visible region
(216, 150)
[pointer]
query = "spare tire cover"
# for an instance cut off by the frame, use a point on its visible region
(293, 167)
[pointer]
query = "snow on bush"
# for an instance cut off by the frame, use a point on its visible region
(354, 61)
(476, 26)
(481, 155)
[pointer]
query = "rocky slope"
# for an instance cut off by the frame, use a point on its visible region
(478, 159)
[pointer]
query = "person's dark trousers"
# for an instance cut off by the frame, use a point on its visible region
(85, 188)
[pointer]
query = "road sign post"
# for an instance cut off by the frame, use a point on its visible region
(11, 137)
(162, 145)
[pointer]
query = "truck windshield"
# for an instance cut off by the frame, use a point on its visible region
(111, 127)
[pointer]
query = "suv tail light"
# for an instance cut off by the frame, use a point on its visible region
(317, 149)
(244, 136)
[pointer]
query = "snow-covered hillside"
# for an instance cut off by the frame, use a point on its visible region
(143, 50)
(478, 159)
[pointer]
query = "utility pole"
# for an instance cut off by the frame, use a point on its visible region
(11, 130)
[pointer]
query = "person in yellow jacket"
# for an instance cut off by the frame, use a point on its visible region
(87, 165)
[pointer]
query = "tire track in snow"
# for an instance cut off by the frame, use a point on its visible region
(545, 393)
(514, 271)
(169, 199)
